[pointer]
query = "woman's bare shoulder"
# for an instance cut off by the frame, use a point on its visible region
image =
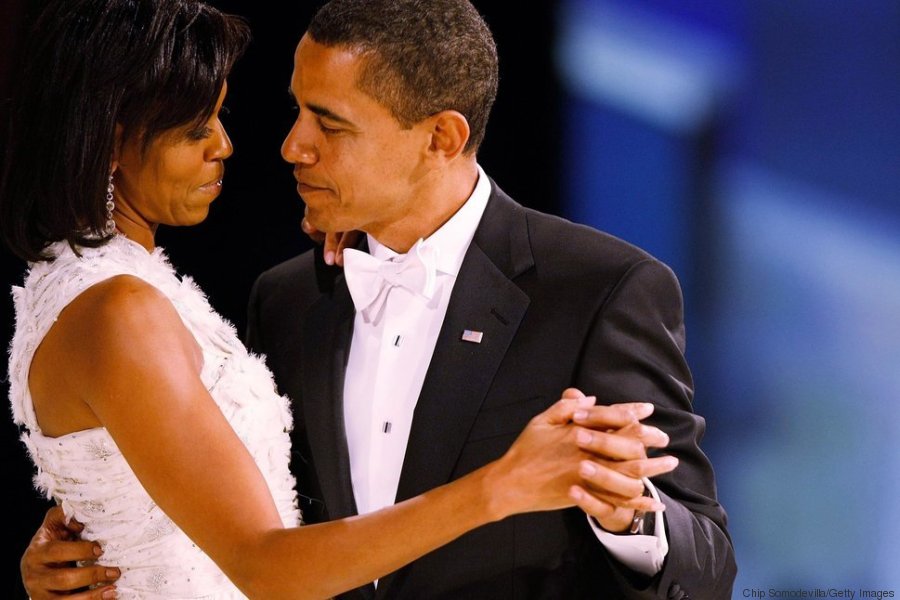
(119, 321)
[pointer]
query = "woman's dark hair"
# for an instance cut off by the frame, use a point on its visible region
(89, 66)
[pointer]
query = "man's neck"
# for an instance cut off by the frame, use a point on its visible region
(447, 194)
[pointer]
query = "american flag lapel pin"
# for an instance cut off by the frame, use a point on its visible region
(472, 336)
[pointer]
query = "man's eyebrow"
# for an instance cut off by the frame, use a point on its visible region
(324, 112)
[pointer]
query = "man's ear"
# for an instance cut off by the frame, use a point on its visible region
(449, 131)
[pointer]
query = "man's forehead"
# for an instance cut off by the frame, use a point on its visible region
(331, 70)
(346, 55)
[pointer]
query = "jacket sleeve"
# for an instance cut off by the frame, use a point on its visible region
(635, 352)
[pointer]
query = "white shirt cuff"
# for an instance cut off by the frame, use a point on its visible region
(642, 553)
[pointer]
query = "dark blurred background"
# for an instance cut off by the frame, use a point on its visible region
(753, 146)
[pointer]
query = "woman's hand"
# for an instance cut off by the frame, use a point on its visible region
(334, 242)
(48, 566)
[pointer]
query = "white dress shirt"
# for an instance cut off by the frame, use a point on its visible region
(389, 356)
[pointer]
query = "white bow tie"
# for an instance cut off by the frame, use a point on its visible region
(370, 279)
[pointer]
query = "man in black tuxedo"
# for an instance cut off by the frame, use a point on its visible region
(464, 315)
(460, 316)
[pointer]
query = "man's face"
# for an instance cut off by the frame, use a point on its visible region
(356, 166)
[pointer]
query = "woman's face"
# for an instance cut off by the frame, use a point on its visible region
(175, 178)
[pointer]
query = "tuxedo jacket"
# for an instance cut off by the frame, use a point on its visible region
(560, 305)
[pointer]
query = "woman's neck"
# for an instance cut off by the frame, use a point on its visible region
(139, 232)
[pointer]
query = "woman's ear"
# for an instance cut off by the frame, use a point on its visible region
(117, 150)
(449, 134)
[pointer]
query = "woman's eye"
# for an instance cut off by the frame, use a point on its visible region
(200, 133)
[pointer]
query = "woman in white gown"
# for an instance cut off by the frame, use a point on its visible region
(147, 419)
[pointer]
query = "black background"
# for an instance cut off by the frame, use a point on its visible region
(256, 221)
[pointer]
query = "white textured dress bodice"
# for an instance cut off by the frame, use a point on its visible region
(86, 473)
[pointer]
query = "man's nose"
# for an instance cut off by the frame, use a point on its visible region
(299, 146)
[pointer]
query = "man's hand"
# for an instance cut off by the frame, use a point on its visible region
(618, 441)
(48, 565)
(334, 242)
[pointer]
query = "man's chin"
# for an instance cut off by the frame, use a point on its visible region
(321, 225)
(324, 226)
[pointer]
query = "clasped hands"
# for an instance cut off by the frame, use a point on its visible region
(587, 455)
(619, 442)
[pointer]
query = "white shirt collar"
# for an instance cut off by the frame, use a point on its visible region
(452, 239)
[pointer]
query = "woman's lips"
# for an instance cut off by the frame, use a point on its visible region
(213, 186)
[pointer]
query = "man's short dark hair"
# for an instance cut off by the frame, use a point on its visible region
(149, 66)
(422, 56)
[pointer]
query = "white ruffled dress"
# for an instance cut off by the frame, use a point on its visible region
(86, 473)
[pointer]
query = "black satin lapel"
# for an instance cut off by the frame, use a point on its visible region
(326, 342)
(484, 300)
(460, 374)
(328, 332)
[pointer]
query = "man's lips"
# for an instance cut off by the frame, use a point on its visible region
(302, 186)
(305, 184)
